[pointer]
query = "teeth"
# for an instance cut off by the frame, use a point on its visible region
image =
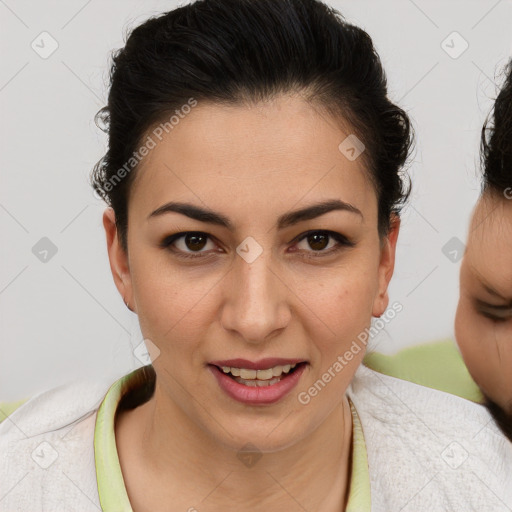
(257, 383)
(247, 374)
(258, 377)
(277, 370)
(264, 374)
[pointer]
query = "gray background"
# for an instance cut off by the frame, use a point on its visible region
(63, 319)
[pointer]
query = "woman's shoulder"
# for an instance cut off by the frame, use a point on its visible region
(52, 409)
(47, 442)
(426, 446)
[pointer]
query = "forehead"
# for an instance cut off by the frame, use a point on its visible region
(268, 152)
(489, 247)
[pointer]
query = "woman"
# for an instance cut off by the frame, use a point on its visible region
(253, 178)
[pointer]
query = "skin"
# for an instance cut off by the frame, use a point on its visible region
(252, 164)
(483, 324)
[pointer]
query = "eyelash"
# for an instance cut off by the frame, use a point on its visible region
(493, 318)
(342, 242)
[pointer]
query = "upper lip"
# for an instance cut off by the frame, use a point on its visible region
(262, 364)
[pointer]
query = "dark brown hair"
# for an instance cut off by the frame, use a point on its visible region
(234, 51)
(496, 141)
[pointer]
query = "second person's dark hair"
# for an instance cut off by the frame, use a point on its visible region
(235, 51)
(496, 140)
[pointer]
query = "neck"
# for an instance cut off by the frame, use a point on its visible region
(185, 466)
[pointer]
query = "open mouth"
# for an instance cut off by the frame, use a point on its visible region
(260, 378)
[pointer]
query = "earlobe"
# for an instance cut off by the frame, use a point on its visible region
(118, 258)
(386, 266)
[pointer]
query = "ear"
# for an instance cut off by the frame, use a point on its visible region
(118, 259)
(386, 266)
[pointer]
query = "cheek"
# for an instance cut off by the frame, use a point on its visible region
(168, 302)
(470, 335)
(487, 351)
(344, 304)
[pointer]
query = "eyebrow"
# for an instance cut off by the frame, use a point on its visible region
(495, 293)
(285, 220)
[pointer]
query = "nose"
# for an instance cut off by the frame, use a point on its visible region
(255, 305)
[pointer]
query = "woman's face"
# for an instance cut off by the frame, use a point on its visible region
(483, 325)
(250, 284)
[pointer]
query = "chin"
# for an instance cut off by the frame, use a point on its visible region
(502, 418)
(273, 437)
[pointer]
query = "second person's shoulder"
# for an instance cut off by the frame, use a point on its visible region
(415, 434)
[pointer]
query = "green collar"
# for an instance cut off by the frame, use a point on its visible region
(111, 488)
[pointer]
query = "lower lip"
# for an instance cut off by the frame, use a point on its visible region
(257, 395)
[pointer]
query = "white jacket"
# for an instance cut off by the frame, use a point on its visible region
(47, 451)
(427, 450)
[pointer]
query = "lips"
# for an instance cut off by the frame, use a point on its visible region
(262, 382)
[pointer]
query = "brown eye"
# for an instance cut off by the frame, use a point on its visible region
(195, 242)
(188, 244)
(318, 242)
